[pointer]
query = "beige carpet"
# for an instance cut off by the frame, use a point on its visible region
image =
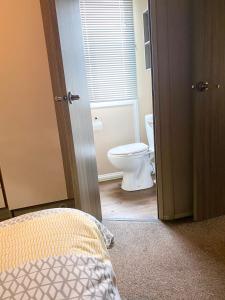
(179, 260)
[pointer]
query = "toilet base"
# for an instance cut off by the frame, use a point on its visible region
(134, 181)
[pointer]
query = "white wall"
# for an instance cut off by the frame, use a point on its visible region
(118, 129)
(144, 80)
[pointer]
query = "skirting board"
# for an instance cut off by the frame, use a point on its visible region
(110, 176)
(178, 216)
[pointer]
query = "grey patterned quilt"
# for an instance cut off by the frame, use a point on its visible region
(78, 267)
(62, 277)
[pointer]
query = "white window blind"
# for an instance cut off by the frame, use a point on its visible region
(109, 46)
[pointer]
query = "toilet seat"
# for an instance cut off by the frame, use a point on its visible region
(129, 149)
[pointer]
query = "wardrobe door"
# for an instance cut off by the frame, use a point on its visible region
(171, 63)
(209, 108)
(30, 154)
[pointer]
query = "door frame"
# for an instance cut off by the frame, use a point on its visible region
(156, 108)
(164, 167)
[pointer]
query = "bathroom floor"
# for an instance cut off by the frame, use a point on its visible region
(122, 205)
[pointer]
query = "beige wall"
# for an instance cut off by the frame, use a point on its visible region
(118, 129)
(30, 156)
(144, 83)
(118, 122)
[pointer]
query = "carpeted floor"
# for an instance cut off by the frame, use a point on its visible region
(174, 260)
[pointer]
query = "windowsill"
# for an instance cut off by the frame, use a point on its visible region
(112, 103)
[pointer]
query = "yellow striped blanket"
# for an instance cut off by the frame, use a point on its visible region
(56, 254)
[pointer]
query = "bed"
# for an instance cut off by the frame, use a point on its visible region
(56, 254)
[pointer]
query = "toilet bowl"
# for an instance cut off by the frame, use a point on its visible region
(136, 161)
(133, 160)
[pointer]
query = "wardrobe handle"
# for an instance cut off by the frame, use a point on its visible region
(203, 86)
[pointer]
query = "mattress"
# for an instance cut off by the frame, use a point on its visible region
(56, 254)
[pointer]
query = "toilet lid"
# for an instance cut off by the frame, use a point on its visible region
(129, 149)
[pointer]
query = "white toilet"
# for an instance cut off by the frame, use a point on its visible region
(136, 161)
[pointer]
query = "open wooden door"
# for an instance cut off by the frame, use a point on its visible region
(209, 108)
(171, 60)
(63, 34)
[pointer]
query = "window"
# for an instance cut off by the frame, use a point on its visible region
(109, 47)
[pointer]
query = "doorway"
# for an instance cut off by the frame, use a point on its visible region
(117, 55)
(171, 42)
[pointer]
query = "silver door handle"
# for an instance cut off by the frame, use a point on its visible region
(203, 86)
(68, 98)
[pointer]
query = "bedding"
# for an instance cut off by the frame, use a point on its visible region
(56, 254)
